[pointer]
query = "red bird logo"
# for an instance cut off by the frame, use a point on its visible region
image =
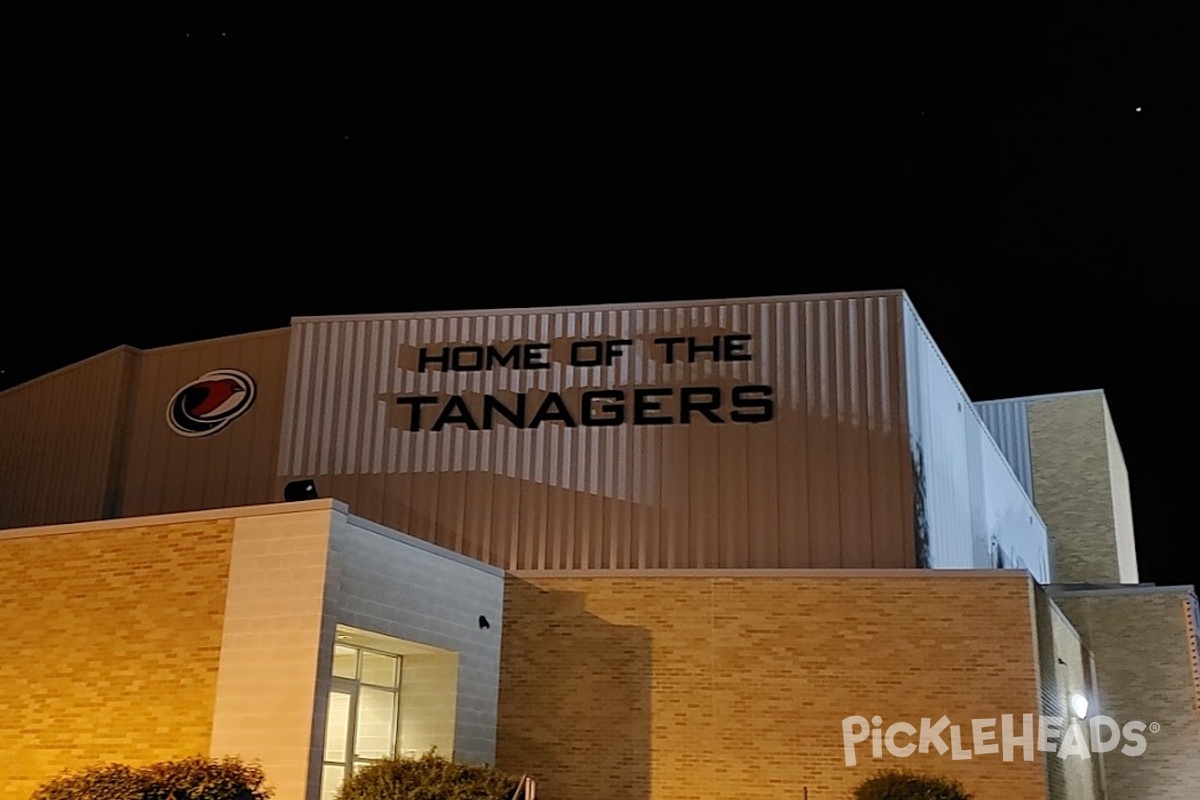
(209, 403)
(211, 395)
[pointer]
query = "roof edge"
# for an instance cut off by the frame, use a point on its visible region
(823, 573)
(73, 365)
(1048, 396)
(263, 510)
(632, 306)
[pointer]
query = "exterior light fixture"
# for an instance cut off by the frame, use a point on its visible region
(297, 491)
(1079, 705)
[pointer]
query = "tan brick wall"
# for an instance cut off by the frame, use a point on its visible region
(679, 688)
(1122, 502)
(1066, 667)
(1072, 487)
(111, 646)
(1143, 654)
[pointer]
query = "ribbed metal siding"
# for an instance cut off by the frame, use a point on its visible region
(974, 507)
(1008, 423)
(823, 484)
(57, 437)
(166, 472)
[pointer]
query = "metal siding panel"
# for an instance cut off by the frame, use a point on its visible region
(783, 493)
(166, 472)
(1008, 423)
(57, 437)
(974, 503)
(823, 506)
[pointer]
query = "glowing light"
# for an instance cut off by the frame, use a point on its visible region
(1079, 705)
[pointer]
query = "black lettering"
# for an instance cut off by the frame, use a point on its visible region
(546, 413)
(615, 408)
(642, 404)
(497, 359)
(668, 343)
(614, 348)
(416, 403)
(535, 356)
(752, 397)
(423, 359)
(694, 349)
(735, 347)
(474, 365)
(578, 359)
(492, 405)
(690, 401)
(455, 411)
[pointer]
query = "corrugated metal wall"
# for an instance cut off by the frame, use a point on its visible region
(165, 472)
(58, 438)
(825, 483)
(975, 513)
(1008, 422)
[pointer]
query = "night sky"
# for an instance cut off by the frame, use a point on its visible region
(185, 170)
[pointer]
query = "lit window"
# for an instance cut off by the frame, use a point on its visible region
(362, 721)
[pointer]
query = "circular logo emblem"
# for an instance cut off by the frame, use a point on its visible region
(209, 403)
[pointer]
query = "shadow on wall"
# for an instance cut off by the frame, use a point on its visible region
(574, 698)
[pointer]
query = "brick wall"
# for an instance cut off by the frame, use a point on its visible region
(670, 686)
(1073, 487)
(1066, 667)
(1142, 648)
(112, 644)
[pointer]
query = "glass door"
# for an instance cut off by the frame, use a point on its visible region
(362, 714)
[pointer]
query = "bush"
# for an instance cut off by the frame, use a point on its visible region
(430, 777)
(907, 786)
(195, 778)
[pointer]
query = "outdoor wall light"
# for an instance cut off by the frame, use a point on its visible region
(297, 491)
(1079, 705)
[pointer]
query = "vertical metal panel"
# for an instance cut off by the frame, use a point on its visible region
(166, 472)
(1008, 423)
(976, 513)
(818, 485)
(57, 436)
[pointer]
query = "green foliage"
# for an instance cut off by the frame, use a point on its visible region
(195, 778)
(898, 785)
(430, 777)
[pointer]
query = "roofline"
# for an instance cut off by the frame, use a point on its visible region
(68, 367)
(137, 351)
(1061, 590)
(931, 574)
(1049, 396)
(117, 523)
(649, 304)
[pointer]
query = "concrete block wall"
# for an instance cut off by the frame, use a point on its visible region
(112, 644)
(1144, 649)
(400, 586)
(268, 708)
(699, 685)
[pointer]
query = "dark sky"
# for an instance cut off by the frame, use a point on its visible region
(183, 170)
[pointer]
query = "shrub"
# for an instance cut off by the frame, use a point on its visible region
(430, 777)
(897, 785)
(195, 778)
